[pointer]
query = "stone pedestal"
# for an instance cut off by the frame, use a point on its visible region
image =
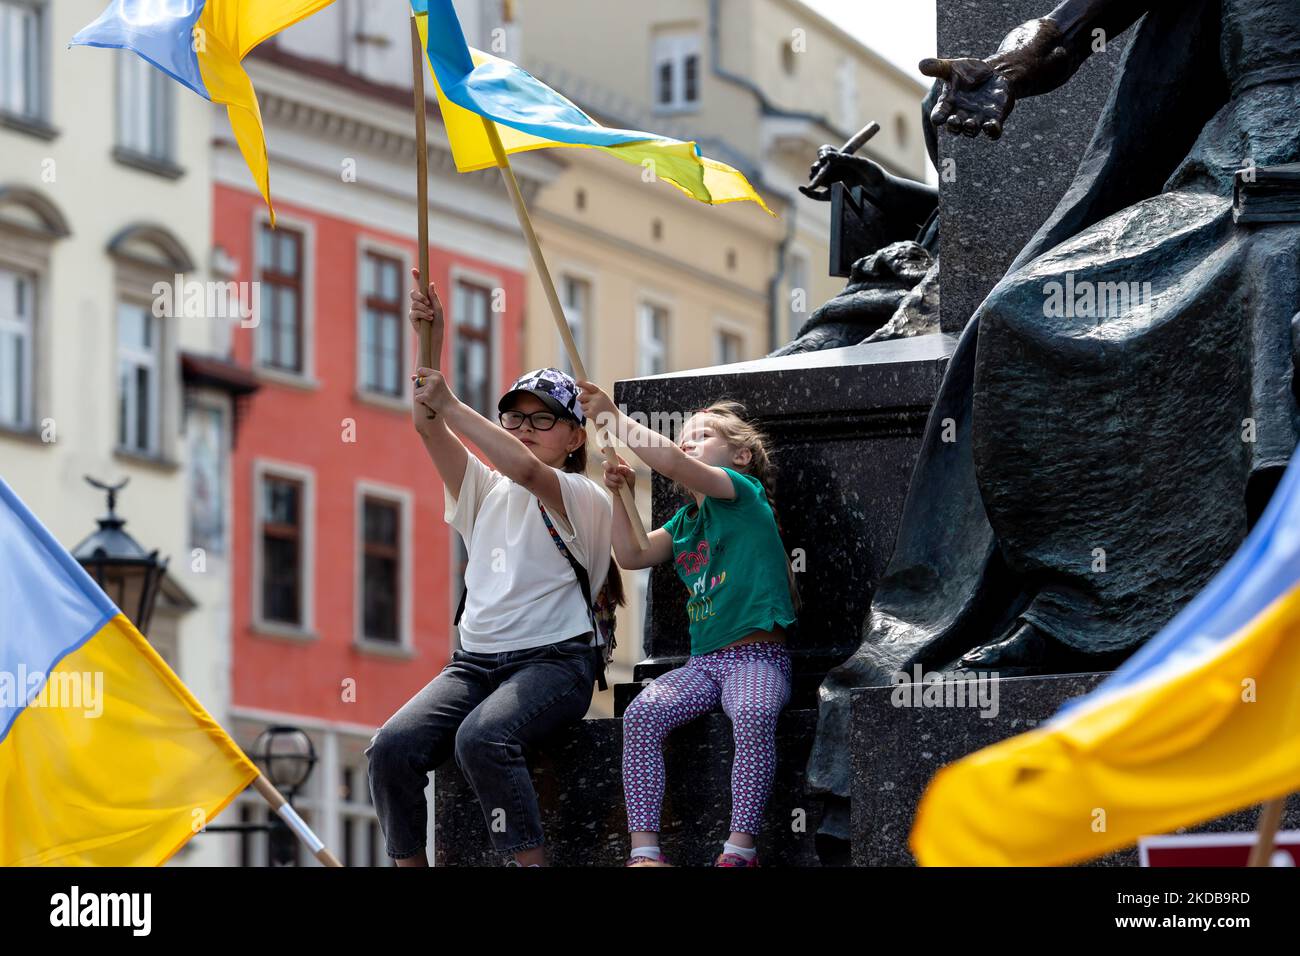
(898, 750)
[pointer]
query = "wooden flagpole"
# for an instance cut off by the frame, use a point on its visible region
(1270, 818)
(427, 358)
(296, 823)
(425, 330)
(557, 312)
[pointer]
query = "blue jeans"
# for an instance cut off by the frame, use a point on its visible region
(484, 709)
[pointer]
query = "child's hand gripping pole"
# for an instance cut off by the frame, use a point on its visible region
(557, 311)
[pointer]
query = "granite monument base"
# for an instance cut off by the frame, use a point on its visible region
(578, 776)
(897, 750)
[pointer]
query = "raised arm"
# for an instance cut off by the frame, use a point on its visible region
(1036, 57)
(445, 449)
(654, 449)
(627, 552)
(507, 453)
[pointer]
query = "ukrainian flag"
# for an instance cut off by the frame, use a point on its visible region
(473, 86)
(1202, 721)
(201, 44)
(105, 757)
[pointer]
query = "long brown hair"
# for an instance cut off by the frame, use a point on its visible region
(576, 464)
(731, 424)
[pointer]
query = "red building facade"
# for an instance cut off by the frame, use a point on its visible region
(319, 456)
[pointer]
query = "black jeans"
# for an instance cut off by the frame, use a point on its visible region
(485, 709)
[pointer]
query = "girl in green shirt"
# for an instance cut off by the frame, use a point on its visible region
(728, 552)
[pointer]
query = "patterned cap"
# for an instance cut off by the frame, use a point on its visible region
(556, 389)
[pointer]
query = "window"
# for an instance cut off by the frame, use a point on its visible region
(653, 340)
(676, 59)
(22, 50)
(138, 369)
(205, 430)
(846, 82)
(381, 576)
(799, 276)
(362, 840)
(727, 347)
(473, 347)
(382, 333)
(576, 296)
(145, 108)
(279, 331)
(789, 57)
(282, 551)
(17, 324)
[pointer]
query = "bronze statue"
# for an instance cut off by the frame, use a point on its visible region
(885, 239)
(1119, 409)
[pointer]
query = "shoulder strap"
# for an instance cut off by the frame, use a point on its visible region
(584, 584)
(583, 581)
(460, 608)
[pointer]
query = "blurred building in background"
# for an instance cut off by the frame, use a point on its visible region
(108, 366)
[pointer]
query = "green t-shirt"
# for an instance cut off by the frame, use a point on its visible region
(731, 559)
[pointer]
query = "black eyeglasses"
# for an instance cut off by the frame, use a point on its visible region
(541, 421)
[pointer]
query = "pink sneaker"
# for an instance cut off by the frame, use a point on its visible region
(734, 859)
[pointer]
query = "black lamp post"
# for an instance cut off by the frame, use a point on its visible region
(129, 575)
(288, 756)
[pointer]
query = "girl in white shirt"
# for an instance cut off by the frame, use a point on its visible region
(527, 660)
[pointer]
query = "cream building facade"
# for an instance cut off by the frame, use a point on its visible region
(760, 84)
(105, 190)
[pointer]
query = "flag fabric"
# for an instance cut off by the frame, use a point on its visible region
(106, 759)
(1201, 721)
(473, 85)
(201, 44)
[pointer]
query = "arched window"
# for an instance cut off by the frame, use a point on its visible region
(30, 224)
(150, 295)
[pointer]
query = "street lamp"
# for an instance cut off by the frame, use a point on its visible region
(288, 756)
(129, 575)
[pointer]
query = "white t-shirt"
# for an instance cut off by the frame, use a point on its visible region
(522, 591)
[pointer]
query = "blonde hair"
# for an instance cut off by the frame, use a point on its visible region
(731, 425)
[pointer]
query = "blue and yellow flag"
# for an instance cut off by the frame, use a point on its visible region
(1202, 721)
(473, 85)
(105, 757)
(201, 44)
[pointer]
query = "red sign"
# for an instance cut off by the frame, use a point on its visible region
(1215, 849)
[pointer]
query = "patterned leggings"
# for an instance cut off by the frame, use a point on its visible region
(752, 681)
